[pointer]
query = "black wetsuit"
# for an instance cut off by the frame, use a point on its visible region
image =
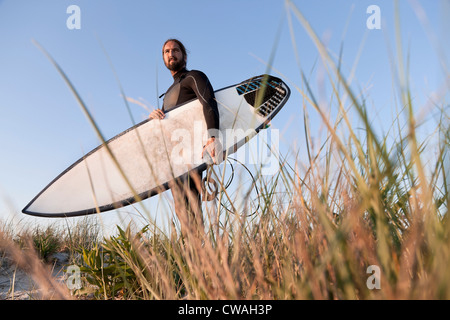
(189, 85)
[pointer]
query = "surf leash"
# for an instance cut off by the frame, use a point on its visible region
(208, 180)
(206, 184)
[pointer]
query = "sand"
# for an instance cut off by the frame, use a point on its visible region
(16, 284)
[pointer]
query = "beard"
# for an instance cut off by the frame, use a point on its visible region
(175, 65)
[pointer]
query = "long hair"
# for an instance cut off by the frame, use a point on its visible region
(182, 48)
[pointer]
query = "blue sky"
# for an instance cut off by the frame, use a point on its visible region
(42, 129)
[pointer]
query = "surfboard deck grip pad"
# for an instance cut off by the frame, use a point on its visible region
(270, 86)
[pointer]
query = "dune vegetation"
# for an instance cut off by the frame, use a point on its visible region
(364, 217)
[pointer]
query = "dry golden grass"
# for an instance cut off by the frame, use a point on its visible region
(359, 201)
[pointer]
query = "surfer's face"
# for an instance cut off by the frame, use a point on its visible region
(173, 56)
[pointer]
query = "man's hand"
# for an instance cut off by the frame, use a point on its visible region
(157, 114)
(210, 148)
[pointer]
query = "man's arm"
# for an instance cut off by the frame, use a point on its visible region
(205, 93)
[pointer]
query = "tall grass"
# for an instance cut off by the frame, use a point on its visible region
(359, 201)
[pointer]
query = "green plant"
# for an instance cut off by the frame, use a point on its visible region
(106, 267)
(46, 243)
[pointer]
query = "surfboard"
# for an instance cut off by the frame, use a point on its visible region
(142, 161)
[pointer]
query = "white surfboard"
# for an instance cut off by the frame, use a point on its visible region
(151, 154)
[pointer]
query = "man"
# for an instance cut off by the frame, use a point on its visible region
(188, 85)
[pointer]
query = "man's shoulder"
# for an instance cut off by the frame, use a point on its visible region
(197, 74)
